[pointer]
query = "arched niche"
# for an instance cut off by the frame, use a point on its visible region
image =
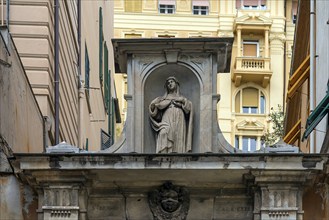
(154, 87)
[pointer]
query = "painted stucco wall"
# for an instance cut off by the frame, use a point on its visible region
(21, 122)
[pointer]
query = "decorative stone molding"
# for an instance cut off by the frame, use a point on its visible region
(250, 124)
(277, 37)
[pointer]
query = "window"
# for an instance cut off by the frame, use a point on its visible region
(236, 143)
(294, 11)
(107, 79)
(133, 35)
(249, 143)
(200, 7)
(250, 101)
(251, 4)
(133, 5)
(167, 6)
(166, 36)
(87, 77)
(200, 10)
(101, 41)
(262, 103)
(250, 48)
(167, 9)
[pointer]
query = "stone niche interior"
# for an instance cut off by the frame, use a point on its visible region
(154, 87)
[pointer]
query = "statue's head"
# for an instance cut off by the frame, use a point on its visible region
(172, 84)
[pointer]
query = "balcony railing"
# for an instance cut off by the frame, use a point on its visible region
(256, 69)
(253, 64)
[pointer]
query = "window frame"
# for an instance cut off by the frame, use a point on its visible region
(251, 42)
(87, 78)
(249, 147)
(166, 8)
(261, 106)
(199, 9)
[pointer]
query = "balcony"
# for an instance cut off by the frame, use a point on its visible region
(252, 69)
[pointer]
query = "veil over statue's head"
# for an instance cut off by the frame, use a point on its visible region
(177, 85)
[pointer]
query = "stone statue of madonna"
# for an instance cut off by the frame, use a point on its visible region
(171, 118)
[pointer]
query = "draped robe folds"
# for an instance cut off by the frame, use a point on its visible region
(173, 124)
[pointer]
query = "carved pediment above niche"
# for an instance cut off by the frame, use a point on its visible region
(250, 124)
(253, 18)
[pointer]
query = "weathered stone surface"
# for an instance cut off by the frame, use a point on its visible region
(193, 62)
(233, 207)
(221, 186)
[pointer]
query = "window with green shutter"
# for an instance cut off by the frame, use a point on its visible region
(87, 77)
(101, 41)
(107, 78)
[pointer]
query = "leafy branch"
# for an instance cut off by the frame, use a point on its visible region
(277, 131)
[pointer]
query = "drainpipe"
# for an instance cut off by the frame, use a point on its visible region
(8, 4)
(312, 67)
(80, 87)
(284, 60)
(56, 72)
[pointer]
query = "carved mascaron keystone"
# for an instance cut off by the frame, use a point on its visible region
(169, 202)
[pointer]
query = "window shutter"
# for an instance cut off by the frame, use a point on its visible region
(250, 97)
(238, 4)
(133, 5)
(250, 2)
(87, 71)
(167, 2)
(106, 76)
(294, 7)
(201, 3)
(101, 45)
(263, 2)
(250, 50)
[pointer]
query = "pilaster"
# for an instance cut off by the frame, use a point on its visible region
(278, 195)
(60, 202)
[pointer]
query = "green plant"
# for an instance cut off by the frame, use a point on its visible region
(272, 136)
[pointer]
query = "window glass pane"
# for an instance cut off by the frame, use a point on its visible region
(262, 104)
(236, 142)
(253, 143)
(253, 110)
(245, 143)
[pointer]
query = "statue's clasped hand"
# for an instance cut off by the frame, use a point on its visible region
(179, 102)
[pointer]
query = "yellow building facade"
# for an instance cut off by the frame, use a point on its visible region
(263, 32)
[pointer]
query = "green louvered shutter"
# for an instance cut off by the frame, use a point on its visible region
(101, 39)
